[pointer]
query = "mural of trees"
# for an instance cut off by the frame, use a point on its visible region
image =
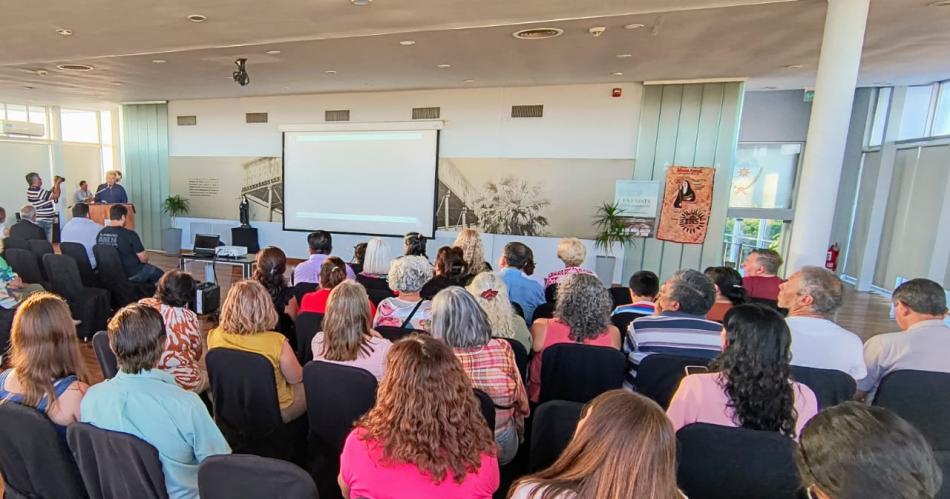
(512, 206)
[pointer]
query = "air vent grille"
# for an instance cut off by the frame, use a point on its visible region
(337, 115)
(255, 118)
(426, 113)
(187, 120)
(528, 111)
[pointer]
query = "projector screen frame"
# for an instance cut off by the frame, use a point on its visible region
(421, 125)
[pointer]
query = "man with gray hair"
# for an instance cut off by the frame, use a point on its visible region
(760, 269)
(27, 228)
(920, 306)
(812, 295)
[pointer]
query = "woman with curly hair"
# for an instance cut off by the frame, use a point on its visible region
(470, 242)
(409, 310)
(269, 271)
(425, 437)
(751, 388)
(581, 315)
(491, 293)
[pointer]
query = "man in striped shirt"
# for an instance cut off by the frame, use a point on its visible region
(42, 201)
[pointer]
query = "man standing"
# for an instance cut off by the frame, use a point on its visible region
(131, 251)
(516, 259)
(82, 230)
(27, 227)
(760, 268)
(82, 195)
(111, 191)
(320, 245)
(42, 201)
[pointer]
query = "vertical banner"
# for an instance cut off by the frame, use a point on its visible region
(638, 200)
(687, 203)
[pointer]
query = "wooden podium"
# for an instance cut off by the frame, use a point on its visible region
(99, 213)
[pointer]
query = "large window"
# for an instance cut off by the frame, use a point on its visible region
(878, 123)
(942, 112)
(913, 124)
(80, 126)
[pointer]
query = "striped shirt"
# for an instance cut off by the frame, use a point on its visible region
(42, 202)
(492, 370)
(640, 307)
(676, 333)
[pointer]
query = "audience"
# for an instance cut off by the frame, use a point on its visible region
(80, 229)
(920, 306)
(851, 451)
(269, 271)
(492, 295)
(359, 255)
(489, 363)
(752, 387)
(644, 286)
(332, 273)
(127, 243)
(181, 355)
(320, 245)
(623, 447)
(347, 337)
(407, 275)
(375, 265)
(581, 315)
(26, 228)
(46, 369)
(760, 268)
(247, 322)
(473, 252)
(523, 291)
(450, 270)
(729, 291)
(145, 401)
(812, 295)
(414, 244)
(572, 252)
(426, 436)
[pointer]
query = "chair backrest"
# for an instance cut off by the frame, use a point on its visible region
(104, 354)
(308, 324)
(244, 393)
(377, 295)
(521, 357)
(720, 462)
(552, 428)
(110, 270)
(831, 386)
(33, 459)
(64, 277)
(243, 476)
(302, 288)
(78, 253)
(487, 406)
(623, 320)
(518, 310)
(620, 295)
(349, 391)
(544, 311)
(40, 247)
(659, 375)
(575, 372)
(15, 242)
(115, 464)
(920, 397)
(395, 333)
(24, 263)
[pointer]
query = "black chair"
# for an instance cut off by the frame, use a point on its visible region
(487, 406)
(104, 354)
(6, 326)
(623, 320)
(377, 295)
(575, 372)
(520, 311)
(115, 464)
(831, 386)
(720, 462)
(78, 253)
(395, 333)
(25, 265)
(620, 295)
(308, 324)
(552, 427)
(544, 311)
(39, 248)
(242, 476)
(33, 459)
(113, 277)
(659, 375)
(921, 397)
(302, 288)
(521, 357)
(92, 306)
(337, 396)
(15, 242)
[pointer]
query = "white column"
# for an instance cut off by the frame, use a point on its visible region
(56, 163)
(838, 65)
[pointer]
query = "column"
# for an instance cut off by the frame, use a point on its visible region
(838, 65)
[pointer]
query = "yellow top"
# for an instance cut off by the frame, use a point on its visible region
(268, 344)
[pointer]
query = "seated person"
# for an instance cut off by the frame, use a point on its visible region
(375, 265)
(760, 268)
(332, 274)
(347, 337)
(144, 401)
(111, 191)
(572, 252)
(27, 228)
(492, 295)
(269, 271)
(515, 260)
(851, 451)
(320, 245)
(923, 343)
(438, 446)
(80, 229)
(247, 324)
(812, 295)
(729, 291)
(407, 275)
(473, 251)
(644, 286)
(581, 315)
(450, 270)
(181, 356)
(46, 370)
(414, 244)
(359, 255)
(752, 386)
(132, 253)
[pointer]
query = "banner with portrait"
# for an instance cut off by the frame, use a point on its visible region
(687, 203)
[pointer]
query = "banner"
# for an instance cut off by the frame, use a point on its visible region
(638, 201)
(687, 203)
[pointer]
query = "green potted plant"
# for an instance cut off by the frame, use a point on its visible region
(173, 206)
(611, 230)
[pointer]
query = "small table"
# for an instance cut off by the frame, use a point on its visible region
(246, 262)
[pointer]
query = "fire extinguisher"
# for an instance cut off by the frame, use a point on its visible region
(831, 258)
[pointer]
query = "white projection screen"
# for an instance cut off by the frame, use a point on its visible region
(376, 182)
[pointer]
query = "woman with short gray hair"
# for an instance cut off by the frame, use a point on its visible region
(407, 275)
(458, 320)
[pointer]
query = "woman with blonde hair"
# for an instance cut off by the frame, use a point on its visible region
(624, 448)
(347, 337)
(491, 293)
(247, 322)
(426, 436)
(47, 370)
(470, 242)
(572, 252)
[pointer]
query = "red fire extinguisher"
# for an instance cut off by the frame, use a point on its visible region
(831, 258)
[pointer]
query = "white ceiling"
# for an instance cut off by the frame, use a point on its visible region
(906, 42)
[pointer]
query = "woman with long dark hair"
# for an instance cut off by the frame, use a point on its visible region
(270, 269)
(751, 388)
(450, 269)
(729, 291)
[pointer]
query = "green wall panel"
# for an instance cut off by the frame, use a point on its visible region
(145, 148)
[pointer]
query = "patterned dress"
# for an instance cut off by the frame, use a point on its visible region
(182, 345)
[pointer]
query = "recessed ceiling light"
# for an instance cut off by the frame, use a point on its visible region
(468, 81)
(273, 52)
(361, 3)
(159, 61)
(330, 72)
(74, 67)
(537, 33)
(42, 72)
(795, 66)
(624, 56)
(29, 87)
(64, 32)
(407, 43)
(444, 66)
(634, 26)
(197, 18)
(939, 3)
(616, 73)
(116, 83)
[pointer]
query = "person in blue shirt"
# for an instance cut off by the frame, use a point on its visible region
(522, 290)
(145, 401)
(111, 191)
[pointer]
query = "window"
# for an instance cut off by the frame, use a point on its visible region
(17, 112)
(764, 175)
(913, 124)
(881, 107)
(742, 235)
(942, 112)
(80, 126)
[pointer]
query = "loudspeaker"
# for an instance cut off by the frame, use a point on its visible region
(247, 237)
(207, 298)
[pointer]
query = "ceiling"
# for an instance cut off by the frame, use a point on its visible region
(907, 42)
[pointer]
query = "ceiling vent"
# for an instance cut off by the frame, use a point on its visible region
(255, 118)
(74, 67)
(426, 113)
(529, 111)
(337, 115)
(187, 120)
(537, 33)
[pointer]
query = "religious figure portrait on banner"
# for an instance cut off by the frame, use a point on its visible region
(687, 203)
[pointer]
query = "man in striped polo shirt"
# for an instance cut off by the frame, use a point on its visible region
(42, 201)
(680, 326)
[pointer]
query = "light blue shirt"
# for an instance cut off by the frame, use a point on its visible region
(151, 406)
(83, 231)
(523, 290)
(309, 270)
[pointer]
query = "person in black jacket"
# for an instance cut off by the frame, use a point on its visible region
(26, 228)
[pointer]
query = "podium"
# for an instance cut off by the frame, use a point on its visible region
(99, 213)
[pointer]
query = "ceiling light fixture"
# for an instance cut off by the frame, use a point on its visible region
(75, 67)
(330, 72)
(616, 73)
(273, 52)
(159, 61)
(635, 26)
(624, 56)
(41, 72)
(939, 3)
(444, 66)
(197, 18)
(116, 83)
(361, 3)
(468, 81)
(537, 33)
(795, 66)
(64, 32)
(407, 43)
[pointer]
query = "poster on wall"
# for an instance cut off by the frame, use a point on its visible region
(637, 201)
(687, 203)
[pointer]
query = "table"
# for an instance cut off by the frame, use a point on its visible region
(99, 213)
(246, 262)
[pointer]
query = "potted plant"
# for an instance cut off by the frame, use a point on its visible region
(173, 206)
(611, 229)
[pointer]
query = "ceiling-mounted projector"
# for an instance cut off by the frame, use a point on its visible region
(240, 74)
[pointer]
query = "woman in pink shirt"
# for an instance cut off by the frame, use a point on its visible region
(425, 437)
(752, 388)
(347, 337)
